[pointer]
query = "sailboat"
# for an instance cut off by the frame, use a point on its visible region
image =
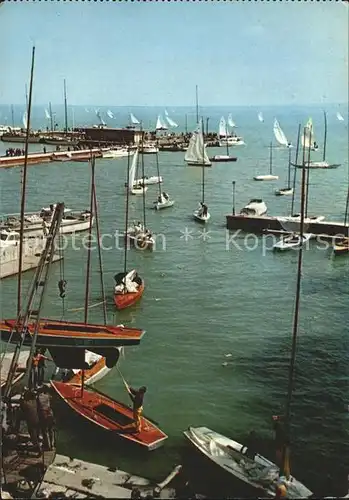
(129, 286)
(171, 122)
(288, 189)
(196, 154)
(306, 140)
(132, 187)
(164, 200)
(270, 176)
(339, 117)
(47, 115)
(280, 136)
(25, 120)
(202, 214)
(133, 120)
(260, 117)
(227, 157)
(145, 180)
(225, 138)
(110, 114)
(160, 124)
(231, 123)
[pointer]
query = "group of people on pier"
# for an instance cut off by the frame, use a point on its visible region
(14, 152)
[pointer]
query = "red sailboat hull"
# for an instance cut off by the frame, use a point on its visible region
(109, 415)
(123, 300)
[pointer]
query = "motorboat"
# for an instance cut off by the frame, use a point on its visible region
(256, 207)
(9, 250)
(36, 223)
(129, 288)
(240, 463)
(291, 242)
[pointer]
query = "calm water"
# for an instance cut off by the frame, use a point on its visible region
(205, 299)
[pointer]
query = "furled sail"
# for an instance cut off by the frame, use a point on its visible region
(340, 117)
(110, 114)
(222, 128)
(134, 119)
(25, 119)
(98, 114)
(160, 125)
(260, 117)
(47, 114)
(231, 123)
(279, 134)
(196, 152)
(132, 173)
(171, 122)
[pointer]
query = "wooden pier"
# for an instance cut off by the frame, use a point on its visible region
(37, 158)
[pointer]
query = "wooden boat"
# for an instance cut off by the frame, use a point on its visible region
(54, 333)
(124, 298)
(238, 462)
(110, 415)
(341, 247)
(98, 369)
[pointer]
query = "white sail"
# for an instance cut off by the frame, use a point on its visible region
(47, 114)
(279, 134)
(110, 114)
(222, 128)
(25, 119)
(160, 125)
(166, 112)
(340, 117)
(196, 152)
(171, 122)
(98, 114)
(260, 117)
(87, 110)
(134, 119)
(132, 172)
(308, 134)
(231, 123)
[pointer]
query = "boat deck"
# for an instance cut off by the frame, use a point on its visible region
(30, 262)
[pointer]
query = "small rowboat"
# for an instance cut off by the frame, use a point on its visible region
(267, 177)
(125, 298)
(97, 370)
(110, 415)
(200, 217)
(341, 247)
(54, 333)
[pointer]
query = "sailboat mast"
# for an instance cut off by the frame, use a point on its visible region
(51, 117)
(126, 214)
(143, 186)
(96, 214)
(197, 103)
(65, 108)
(289, 169)
(295, 323)
(226, 138)
(158, 171)
(20, 264)
(271, 159)
(12, 116)
(325, 137)
(203, 164)
(295, 170)
(307, 178)
(87, 289)
(26, 99)
(346, 210)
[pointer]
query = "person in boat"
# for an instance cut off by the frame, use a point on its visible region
(281, 439)
(137, 397)
(160, 198)
(46, 417)
(201, 209)
(165, 195)
(204, 209)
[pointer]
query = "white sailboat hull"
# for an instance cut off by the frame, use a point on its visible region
(291, 242)
(139, 190)
(166, 204)
(268, 177)
(117, 153)
(200, 217)
(231, 141)
(284, 192)
(148, 181)
(238, 462)
(198, 164)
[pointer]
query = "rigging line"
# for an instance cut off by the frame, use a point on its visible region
(87, 289)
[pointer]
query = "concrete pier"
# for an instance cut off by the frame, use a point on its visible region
(75, 478)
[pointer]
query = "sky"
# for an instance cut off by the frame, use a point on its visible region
(154, 53)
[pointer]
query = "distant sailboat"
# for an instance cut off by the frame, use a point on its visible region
(308, 136)
(231, 123)
(87, 110)
(160, 124)
(134, 120)
(196, 154)
(279, 135)
(25, 119)
(260, 117)
(170, 121)
(47, 114)
(270, 176)
(224, 137)
(222, 132)
(110, 114)
(166, 112)
(98, 114)
(340, 117)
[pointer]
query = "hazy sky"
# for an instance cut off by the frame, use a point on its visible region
(151, 53)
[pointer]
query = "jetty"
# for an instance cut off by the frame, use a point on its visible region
(263, 224)
(36, 158)
(73, 478)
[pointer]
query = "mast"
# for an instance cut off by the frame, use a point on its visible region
(158, 171)
(325, 137)
(203, 163)
(346, 210)
(295, 170)
(284, 469)
(197, 103)
(12, 116)
(186, 123)
(26, 98)
(234, 197)
(307, 178)
(126, 214)
(289, 169)
(226, 138)
(271, 159)
(65, 108)
(143, 179)
(87, 289)
(20, 264)
(51, 117)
